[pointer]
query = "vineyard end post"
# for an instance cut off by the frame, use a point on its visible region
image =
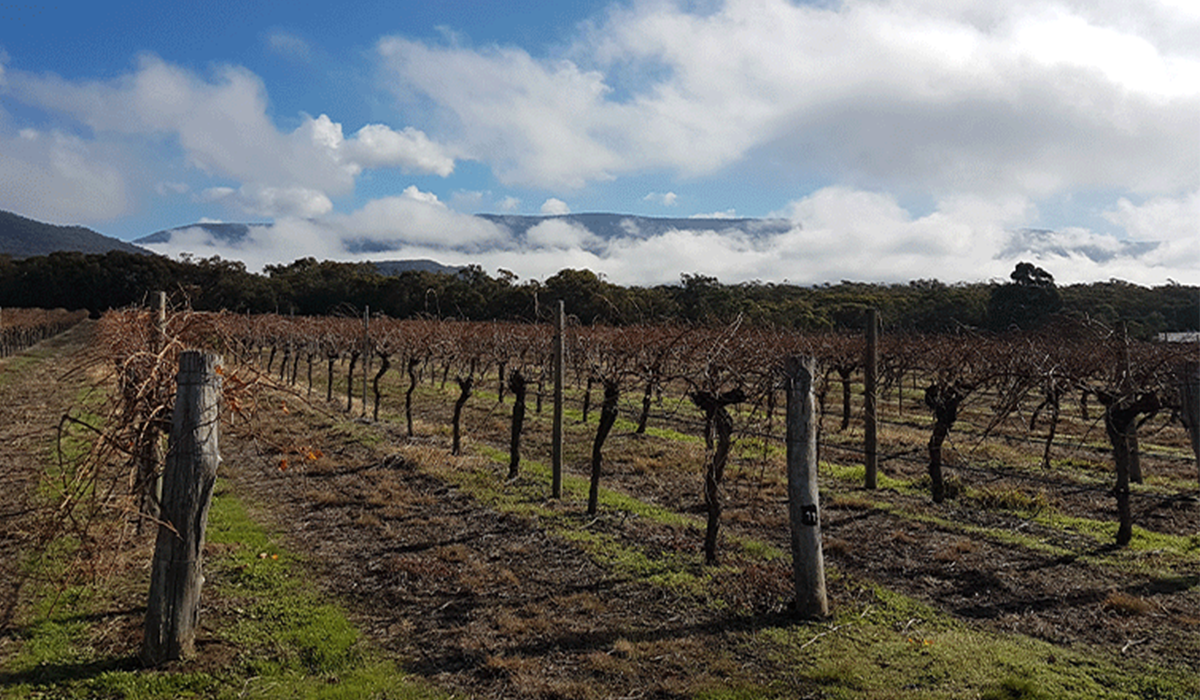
(172, 612)
(870, 396)
(808, 563)
(556, 437)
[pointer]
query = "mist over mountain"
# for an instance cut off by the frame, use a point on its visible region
(613, 226)
(228, 233)
(604, 226)
(1044, 242)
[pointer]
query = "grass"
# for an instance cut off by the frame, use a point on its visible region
(288, 640)
(889, 646)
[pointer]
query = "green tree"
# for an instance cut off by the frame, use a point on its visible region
(1026, 302)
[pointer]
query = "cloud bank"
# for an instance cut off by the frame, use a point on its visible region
(903, 138)
(835, 234)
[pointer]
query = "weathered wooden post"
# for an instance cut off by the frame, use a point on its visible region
(1189, 381)
(191, 470)
(556, 433)
(870, 396)
(804, 509)
(150, 451)
(160, 321)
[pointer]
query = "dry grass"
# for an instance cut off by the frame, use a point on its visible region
(324, 497)
(850, 502)
(954, 551)
(1125, 604)
(837, 546)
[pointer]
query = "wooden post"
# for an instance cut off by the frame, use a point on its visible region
(160, 322)
(808, 563)
(870, 396)
(556, 435)
(366, 355)
(1190, 393)
(150, 450)
(172, 612)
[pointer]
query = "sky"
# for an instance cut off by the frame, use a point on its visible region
(903, 139)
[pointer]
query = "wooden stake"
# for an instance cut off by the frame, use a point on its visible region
(808, 562)
(172, 613)
(870, 395)
(556, 436)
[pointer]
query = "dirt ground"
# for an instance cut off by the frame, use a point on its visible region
(488, 605)
(30, 409)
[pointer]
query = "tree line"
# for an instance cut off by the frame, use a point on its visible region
(98, 282)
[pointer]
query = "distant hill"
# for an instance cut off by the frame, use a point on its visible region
(396, 267)
(225, 233)
(1041, 241)
(602, 225)
(610, 226)
(23, 238)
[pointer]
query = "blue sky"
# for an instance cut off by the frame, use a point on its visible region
(904, 139)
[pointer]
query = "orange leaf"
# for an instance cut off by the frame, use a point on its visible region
(283, 464)
(283, 407)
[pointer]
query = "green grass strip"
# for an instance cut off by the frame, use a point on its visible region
(291, 642)
(891, 647)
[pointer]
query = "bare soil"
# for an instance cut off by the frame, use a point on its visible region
(37, 388)
(489, 605)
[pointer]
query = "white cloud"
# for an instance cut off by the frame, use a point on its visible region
(1161, 218)
(378, 146)
(509, 203)
(727, 214)
(1020, 98)
(534, 122)
(467, 201)
(417, 217)
(217, 194)
(222, 126)
(168, 188)
(288, 45)
(57, 177)
(560, 234)
(413, 224)
(257, 200)
(667, 199)
(555, 207)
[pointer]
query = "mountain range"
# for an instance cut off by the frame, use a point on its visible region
(21, 237)
(611, 226)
